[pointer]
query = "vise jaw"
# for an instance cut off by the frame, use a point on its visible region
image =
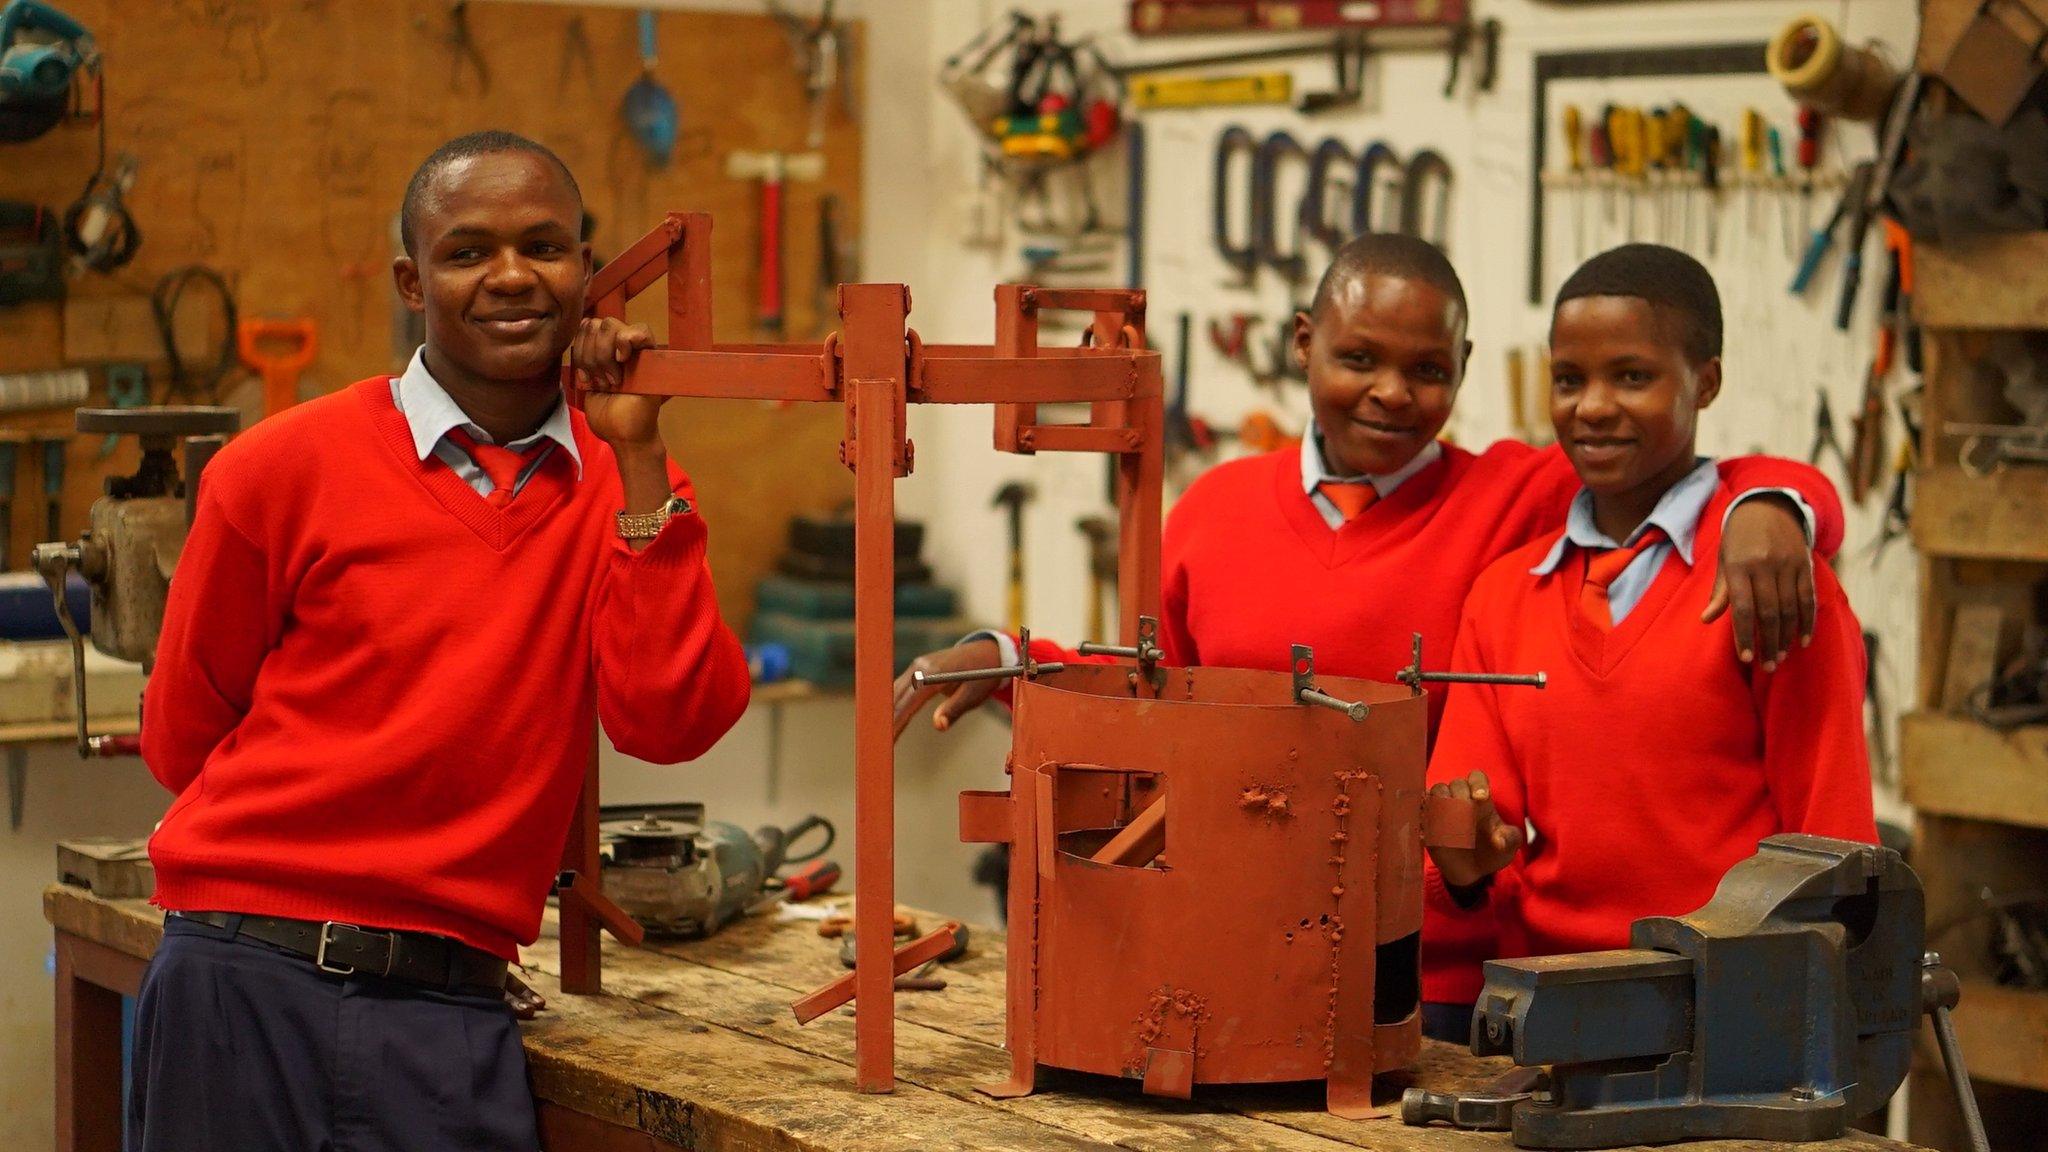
(1781, 1010)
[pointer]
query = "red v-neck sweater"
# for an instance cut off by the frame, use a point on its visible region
(1250, 568)
(1654, 761)
(374, 695)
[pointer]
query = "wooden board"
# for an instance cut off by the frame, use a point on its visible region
(1954, 766)
(1997, 517)
(1989, 282)
(695, 1047)
(274, 139)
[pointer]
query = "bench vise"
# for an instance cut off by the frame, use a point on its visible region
(1781, 1010)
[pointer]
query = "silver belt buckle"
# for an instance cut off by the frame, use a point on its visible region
(320, 953)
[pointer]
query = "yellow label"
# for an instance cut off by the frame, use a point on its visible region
(1156, 91)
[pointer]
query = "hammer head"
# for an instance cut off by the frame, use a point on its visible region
(1013, 496)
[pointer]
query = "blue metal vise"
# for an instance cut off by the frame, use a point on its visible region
(1782, 1010)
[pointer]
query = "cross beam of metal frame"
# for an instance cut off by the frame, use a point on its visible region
(875, 365)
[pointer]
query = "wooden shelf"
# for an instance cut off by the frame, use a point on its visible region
(1987, 282)
(1954, 766)
(1998, 517)
(2004, 1034)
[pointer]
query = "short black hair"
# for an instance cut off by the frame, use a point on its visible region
(1390, 254)
(489, 142)
(1668, 280)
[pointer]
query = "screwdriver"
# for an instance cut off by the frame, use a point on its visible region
(1811, 124)
(1710, 180)
(1678, 157)
(1575, 151)
(1625, 136)
(1752, 165)
(811, 879)
(1774, 149)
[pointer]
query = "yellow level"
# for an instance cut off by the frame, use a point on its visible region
(1153, 90)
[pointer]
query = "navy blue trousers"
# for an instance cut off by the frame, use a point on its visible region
(1449, 1022)
(241, 1047)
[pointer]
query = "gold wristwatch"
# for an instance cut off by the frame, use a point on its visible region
(648, 525)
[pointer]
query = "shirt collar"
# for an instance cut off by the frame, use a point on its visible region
(430, 413)
(1314, 471)
(1677, 513)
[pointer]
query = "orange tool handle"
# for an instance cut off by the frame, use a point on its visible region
(280, 370)
(811, 879)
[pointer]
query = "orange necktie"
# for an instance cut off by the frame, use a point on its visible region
(501, 464)
(1604, 568)
(1350, 499)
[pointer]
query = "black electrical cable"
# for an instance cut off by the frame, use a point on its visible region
(164, 302)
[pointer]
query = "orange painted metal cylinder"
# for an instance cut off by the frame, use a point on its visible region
(1274, 935)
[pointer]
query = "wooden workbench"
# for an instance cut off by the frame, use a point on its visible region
(695, 1048)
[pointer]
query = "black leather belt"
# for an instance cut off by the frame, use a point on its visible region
(346, 950)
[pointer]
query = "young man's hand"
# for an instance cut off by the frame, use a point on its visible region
(599, 354)
(1766, 580)
(960, 698)
(1494, 841)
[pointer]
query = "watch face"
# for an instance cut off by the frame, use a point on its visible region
(678, 506)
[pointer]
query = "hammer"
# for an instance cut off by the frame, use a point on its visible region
(1101, 536)
(1013, 496)
(772, 169)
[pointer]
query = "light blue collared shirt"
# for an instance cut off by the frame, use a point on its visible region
(1677, 514)
(1315, 472)
(430, 413)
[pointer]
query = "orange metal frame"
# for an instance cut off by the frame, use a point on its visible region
(875, 365)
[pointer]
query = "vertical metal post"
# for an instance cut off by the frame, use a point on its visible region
(689, 285)
(582, 952)
(874, 381)
(1016, 336)
(1141, 493)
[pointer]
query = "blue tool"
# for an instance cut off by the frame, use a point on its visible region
(1245, 258)
(1273, 151)
(40, 69)
(649, 108)
(1824, 236)
(1332, 155)
(1378, 158)
(36, 74)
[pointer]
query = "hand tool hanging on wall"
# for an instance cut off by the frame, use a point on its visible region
(1331, 163)
(1575, 175)
(820, 53)
(1626, 137)
(1152, 91)
(1685, 1034)
(1824, 236)
(1292, 265)
(648, 108)
(1236, 141)
(278, 351)
(772, 169)
(1866, 452)
(127, 387)
(1812, 130)
(100, 233)
(1012, 497)
(41, 51)
(463, 53)
(1824, 439)
(1426, 198)
(1377, 185)
(1348, 59)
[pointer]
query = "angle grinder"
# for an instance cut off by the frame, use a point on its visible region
(678, 874)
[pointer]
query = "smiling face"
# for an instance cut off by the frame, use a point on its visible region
(1625, 397)
(500, 270)
(1384, 355)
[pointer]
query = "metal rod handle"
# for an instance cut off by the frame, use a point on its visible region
(1357, 710)
(920, 679)
(1939, 991)
(1536, 680)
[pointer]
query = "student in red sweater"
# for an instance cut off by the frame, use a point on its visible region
(1374, 529)
(401, 611)
(1652, 763)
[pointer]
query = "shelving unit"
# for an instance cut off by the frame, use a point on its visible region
(1980, 795)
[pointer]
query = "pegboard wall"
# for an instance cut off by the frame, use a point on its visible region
(1782, 350)
(274, 138)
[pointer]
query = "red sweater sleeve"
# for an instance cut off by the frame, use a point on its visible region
(212, 643)
(671, 677)
(1746, 474)
(1811, 710)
